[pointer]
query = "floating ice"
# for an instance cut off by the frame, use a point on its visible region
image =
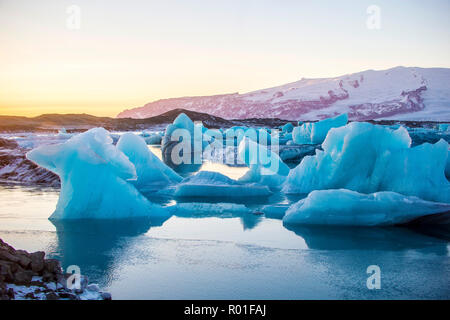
(350, 208)
(183, 142)
(94, 176)
(149, 169)
(214, 184)
(287, 128)
(315, 132)
(369, 158)
(152, 137)
(204, 209)
(265, 166)
(443, 127)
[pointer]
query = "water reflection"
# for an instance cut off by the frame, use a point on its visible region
(94, 245)
(366, 238)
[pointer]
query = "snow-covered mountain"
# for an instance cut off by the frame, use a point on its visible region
(402, 93)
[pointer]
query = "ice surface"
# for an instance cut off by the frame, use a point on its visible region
(287, 128)
(152, 137)
(202, 209)
(265, 166)
(94, 176)
(149, 169)
(349, 208)
(369, 158)
(214, 184)
(315, 132)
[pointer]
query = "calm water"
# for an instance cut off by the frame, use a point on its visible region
(237, 257)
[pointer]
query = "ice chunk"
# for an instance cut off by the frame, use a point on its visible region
(202, 209)
(315, 132)
(369, 158)
(287, 128)
(149, 169)
(183, 142)
(265, 166)
(443, 127)
(94, 176)
(152, 137)
(214, 184)
(349, 208)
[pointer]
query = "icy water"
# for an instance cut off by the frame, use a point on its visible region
(230, 257)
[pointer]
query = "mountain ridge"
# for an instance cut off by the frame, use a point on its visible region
(401, 93)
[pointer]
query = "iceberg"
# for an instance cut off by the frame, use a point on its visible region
(265, 166)
(152, 137)
(213, 184)
(369, 158)
(149, 169)
(94, 179)
(287, 128)
(349, 208)
(183, 142)
(315, 132)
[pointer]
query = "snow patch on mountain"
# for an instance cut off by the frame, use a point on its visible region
(402, 93)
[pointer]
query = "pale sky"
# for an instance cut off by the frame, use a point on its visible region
(128, 53)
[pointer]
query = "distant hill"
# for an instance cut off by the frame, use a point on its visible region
(401, 93)
(81, 122)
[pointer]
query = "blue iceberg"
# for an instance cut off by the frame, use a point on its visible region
(207, 184)
(316, 132)
(95, 179)
(349, 208)
(265, 166)
(370, 158)
(149, 169)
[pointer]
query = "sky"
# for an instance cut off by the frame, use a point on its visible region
(101, 57)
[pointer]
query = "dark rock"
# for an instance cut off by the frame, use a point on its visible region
(30, 295)
(48, 276)
(51, 296)
(23, 277)
(53, 266)
(8, 256)
(24, 260)
(6, 274)
(106, 296)
(37, 261)
(68, 295)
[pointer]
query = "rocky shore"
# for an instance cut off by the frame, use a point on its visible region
(30, 276)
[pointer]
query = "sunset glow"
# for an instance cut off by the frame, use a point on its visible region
(126, 54)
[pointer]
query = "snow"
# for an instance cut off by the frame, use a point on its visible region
(265, 166)
(369, 158)
(213, 184)
(315, 132)
(364, 95)
(349, 208)
(94, 179)
(149, 169)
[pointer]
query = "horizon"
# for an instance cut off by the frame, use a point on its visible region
(109, 57)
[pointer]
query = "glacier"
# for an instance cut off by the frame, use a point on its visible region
(315, 132)
(349, 208)
(265, 166)
(149, 169)
(213, 184)
(94, 179)
(368, 158)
